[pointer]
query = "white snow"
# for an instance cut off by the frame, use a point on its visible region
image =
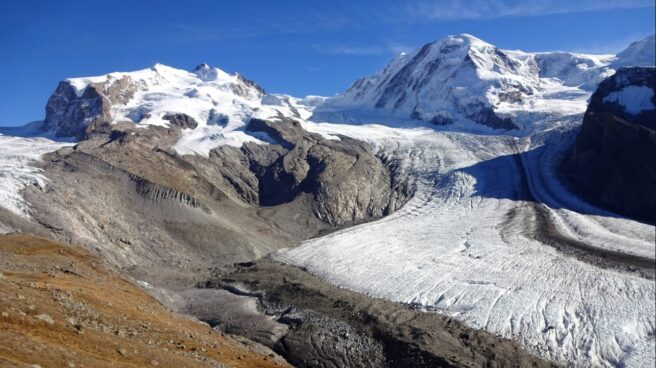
(459, 74)
(462, 247)
(219, 102)
(634, 99)
(17, 155)
(639, 53)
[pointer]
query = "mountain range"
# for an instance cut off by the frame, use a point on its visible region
(464, 205)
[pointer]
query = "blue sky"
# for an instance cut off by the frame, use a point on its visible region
(296, 47)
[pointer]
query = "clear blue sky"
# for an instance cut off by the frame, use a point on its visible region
(297, 47)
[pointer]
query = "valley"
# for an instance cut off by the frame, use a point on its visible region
(431, 215)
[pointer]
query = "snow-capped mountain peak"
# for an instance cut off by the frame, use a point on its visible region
(209, 105)
(638, 53)
(457, 77)
(465, 80)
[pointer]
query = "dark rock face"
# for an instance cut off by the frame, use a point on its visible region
(190, 213)
(613, 160)
(180, 120)
(484, 115)
(345, 180)
(69, 114)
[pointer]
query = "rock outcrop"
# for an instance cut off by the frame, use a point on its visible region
(127, 194)
(70, 111)
(613, 160)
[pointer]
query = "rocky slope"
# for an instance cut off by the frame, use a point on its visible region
(127, 194)
(195, 170)
(613, 160)
(63, 307)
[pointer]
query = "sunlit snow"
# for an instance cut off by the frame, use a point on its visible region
(634, 99)
(17, 171)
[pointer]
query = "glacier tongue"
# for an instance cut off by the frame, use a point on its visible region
(465, 245)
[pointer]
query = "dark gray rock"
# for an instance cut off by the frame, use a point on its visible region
(70, 115)
(613, 160)
(180, 120)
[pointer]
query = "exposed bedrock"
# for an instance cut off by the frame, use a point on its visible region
(69, 112)
(125, 193)
(613, 160)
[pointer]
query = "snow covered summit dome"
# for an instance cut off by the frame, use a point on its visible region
(463, 80)
(204, 98)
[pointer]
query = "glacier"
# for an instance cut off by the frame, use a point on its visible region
(491, 236)
(465, 245)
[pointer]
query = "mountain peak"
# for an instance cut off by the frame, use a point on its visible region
(206, 96)
(209, 73)
(465, 40)
(459, 77)
(638, 53)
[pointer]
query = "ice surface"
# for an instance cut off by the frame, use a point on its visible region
(17, 155)
(464, 246)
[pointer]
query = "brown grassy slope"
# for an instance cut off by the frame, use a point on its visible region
(61, 307)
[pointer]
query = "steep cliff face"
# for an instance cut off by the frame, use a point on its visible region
(613, 160)
(68, 113)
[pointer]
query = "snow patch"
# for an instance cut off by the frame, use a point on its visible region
(634, 99)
